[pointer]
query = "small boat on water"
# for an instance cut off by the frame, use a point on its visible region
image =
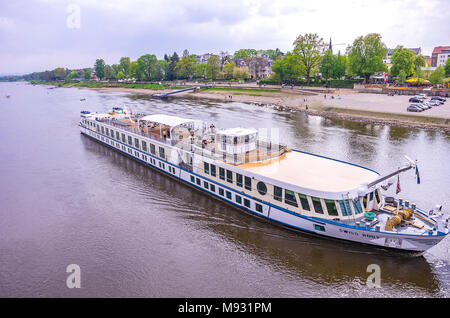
(298, 190)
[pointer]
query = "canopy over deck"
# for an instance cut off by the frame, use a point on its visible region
(171, 121)
(237, 132)
(314, 172)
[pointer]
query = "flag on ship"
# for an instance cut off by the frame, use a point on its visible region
(398, 185)
(417, 174)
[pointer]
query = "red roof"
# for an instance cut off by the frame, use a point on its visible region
(438, 49)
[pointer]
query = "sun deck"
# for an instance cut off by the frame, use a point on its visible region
(313, 172)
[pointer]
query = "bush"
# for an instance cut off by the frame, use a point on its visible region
(314, 83)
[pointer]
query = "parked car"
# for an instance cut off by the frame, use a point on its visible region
(414, 108)
(439, 98)
(414, 100)
(434, 103)
(423, 106)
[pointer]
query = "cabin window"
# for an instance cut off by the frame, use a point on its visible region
(152, 149)
(289, 198)
(239, 180)
(212, 187)
(248, 183)
(117, 135)
(371, 196)
(221, 192)
(238, 199)
(103, 130)
(205, 185)
(317, 205)
(331, 208)
(345, 208)
(98, 128)
(277, 193)
(144, 146)
(304, 202)
(107, 132)
(192, 179)
(130, 141)
(357, 207)
(162, 152)
(198, 181)
(247, 203)
(123, 138)
(222, 173)
(318, 227)
(206, 167)
(261, 187)
(228, 195)
(229, 176)
(213, 170)
(136, 142)
(258, 208)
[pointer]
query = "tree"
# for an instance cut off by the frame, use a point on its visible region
(115, 69)
(245, 53)
(59, 73)
(365, 55)
(437, 75)
(327, 65)
(403, 59)
(146, 67)
(109, 72)
(171, 73)
(309, 48)
(241, 73)
(289, 68)
(120, 75)
(213, 67)
(132, 70)
(185, 67)
(125, 65)
(419, 62)
(340, 68)
(87, 74)
(447, 67)
(200, 70)
(228, 69)
(99, 68)
(402, 77)
(185, 53)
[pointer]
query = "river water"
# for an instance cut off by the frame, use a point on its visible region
(66, 199)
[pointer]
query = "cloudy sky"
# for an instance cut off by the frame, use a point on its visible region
(36, 35)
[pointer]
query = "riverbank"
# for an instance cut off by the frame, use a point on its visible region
(344, 104)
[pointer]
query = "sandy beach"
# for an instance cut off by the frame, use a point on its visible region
(347, 104)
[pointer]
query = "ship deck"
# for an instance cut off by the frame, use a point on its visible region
(313, 172)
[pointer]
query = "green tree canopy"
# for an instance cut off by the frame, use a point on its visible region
(245, 53)
(402, 77)
(200, 70)
(309, 48)
(403, 59)
(288, 68)
(327, 65)
(99, 68)
(109, 72)
(171, 73)
(125, 65)
(213, 67)
(437, 75)
(145, 67)
(185, 67)
(59, 73)
(447, 67)
(87, 74)
(365, 55)
(228, 69)
(419, 62)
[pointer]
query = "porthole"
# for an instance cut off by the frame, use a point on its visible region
(261, 187)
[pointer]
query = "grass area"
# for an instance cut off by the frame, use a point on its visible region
(101, 84)
(389, 116)
(246, 90)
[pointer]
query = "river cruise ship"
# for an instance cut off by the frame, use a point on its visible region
(295, 189)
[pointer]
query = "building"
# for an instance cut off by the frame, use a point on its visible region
(440, 55)
(260, 67)
(203, 58)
